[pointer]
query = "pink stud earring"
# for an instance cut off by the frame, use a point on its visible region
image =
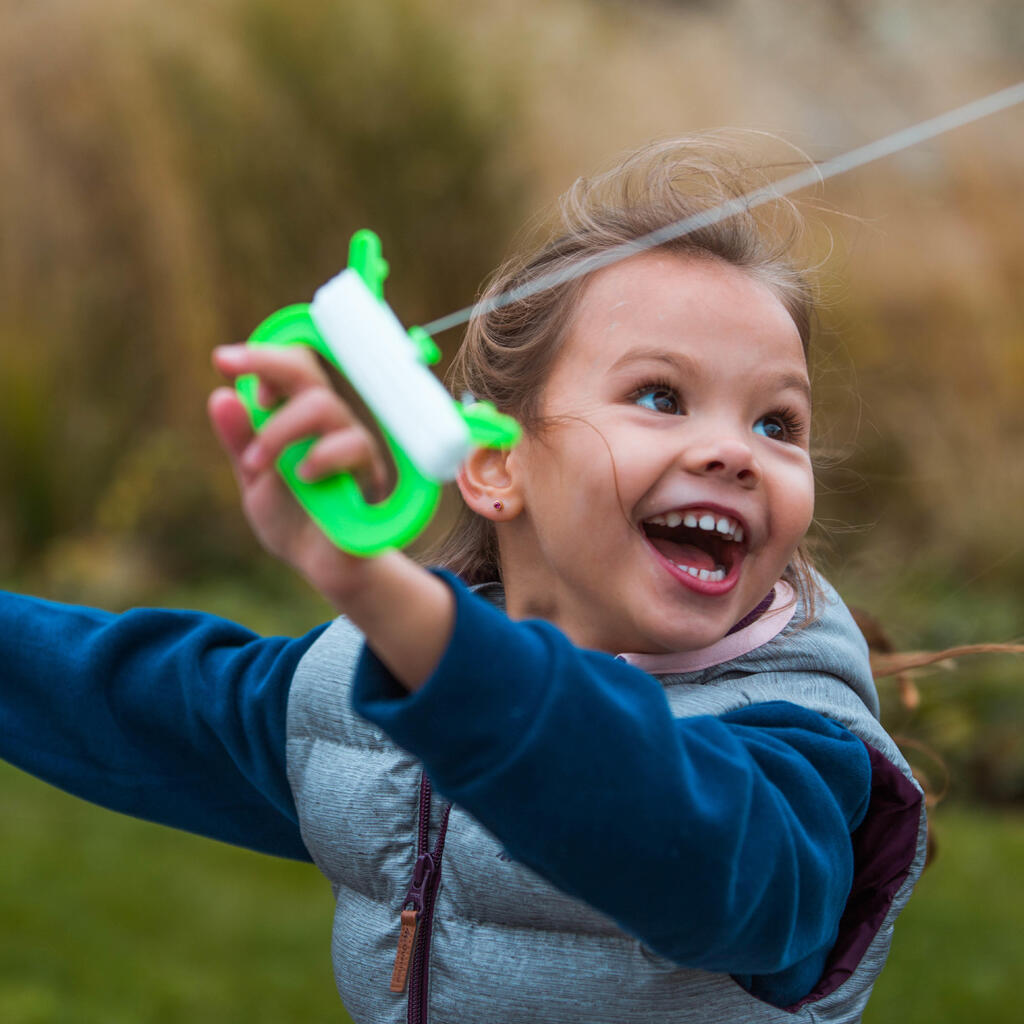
(498, 506)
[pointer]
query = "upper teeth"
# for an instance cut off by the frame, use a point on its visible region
(712, 522)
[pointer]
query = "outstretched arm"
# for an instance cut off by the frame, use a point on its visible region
(179, 717)
(173, 716)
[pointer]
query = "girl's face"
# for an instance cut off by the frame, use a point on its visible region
(673, 483)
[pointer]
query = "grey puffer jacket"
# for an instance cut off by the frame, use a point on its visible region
(498, 944)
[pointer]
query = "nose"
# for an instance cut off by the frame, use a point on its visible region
(726, 457)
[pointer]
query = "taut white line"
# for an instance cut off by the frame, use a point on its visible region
(890, 144)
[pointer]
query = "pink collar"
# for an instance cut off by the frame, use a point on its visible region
(743, 641)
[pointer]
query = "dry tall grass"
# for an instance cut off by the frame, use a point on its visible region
(171, 173)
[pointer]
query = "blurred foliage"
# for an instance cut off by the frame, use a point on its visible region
(963, 733)
(966, 739)
(171, 174)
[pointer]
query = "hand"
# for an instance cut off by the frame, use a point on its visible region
(371, 591)
(311, 408)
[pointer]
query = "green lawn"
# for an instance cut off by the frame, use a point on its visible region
(959, 945)
(105, 920)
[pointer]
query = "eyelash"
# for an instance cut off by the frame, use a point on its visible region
(791, 420)
(653, 386)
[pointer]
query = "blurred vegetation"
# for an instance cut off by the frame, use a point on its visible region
(147, 924)
(171, 175)
(957, 947)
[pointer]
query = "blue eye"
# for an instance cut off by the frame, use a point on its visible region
(658, 398)
(774, 428)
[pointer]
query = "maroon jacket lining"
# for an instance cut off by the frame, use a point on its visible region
(884, 847)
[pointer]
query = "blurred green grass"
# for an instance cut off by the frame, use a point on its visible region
(109, 919)
(958, 947)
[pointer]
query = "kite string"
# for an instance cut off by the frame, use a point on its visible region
(872, 151)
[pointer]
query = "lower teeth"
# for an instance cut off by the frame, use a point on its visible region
(704, 574)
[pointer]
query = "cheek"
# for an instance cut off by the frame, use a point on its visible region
(572, 459)
(795, 506)
(571, 491)
(789, 480)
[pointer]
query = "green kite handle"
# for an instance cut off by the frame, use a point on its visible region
(336, 503)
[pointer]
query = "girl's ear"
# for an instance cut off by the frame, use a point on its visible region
(488, 485)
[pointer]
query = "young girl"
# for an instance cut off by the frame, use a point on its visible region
(619, 758)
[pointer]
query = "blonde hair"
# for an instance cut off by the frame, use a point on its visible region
(508, 353)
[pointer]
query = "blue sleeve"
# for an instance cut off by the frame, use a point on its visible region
(172, 716)
(721, 843)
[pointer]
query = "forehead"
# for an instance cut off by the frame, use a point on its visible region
(701, 310)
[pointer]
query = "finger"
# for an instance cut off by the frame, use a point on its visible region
(283, 369)
(341, 451)
(313, 413)
(230, 422)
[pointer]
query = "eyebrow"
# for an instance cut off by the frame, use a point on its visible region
(690, 367)
(786, 382)
(674, 360)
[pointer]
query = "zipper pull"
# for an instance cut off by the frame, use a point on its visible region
(421, 875)
(406, 942)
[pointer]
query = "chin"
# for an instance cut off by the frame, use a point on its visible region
(670, 639)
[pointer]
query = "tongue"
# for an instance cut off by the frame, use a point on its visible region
(684, 554)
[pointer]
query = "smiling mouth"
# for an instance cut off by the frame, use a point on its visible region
(705, 545)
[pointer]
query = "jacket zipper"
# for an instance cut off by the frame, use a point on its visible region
(412, 960)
